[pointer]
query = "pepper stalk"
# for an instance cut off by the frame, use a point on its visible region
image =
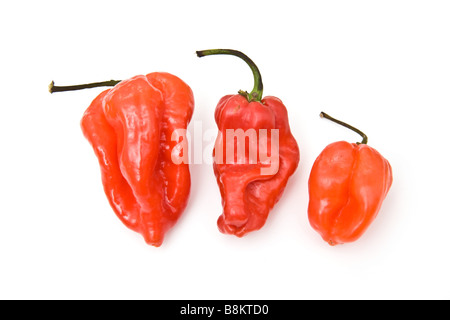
(257, 92)
(52, 88)
(362, 134)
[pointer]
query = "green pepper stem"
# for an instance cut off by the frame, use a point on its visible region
(52, 88)
(362, 134)
(257, 92)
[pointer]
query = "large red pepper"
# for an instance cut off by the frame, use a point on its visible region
(250, 186)
(130, 128)
(347, 185)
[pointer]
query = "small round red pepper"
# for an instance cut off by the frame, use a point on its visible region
(347, 185)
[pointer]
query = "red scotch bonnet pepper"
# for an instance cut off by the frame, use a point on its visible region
(252, 181)
(130, 128)
(347, 186)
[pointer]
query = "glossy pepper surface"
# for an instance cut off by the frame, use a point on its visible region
(347, 186)
(250, 189)
(130, 128)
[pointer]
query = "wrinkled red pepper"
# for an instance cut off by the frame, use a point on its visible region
(130, 128)
(251, 187)
(347, 186)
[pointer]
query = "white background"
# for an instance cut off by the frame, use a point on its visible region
(383, 66)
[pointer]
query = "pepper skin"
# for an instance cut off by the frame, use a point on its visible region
(130, 128)
(247, 193)
(347, 185)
